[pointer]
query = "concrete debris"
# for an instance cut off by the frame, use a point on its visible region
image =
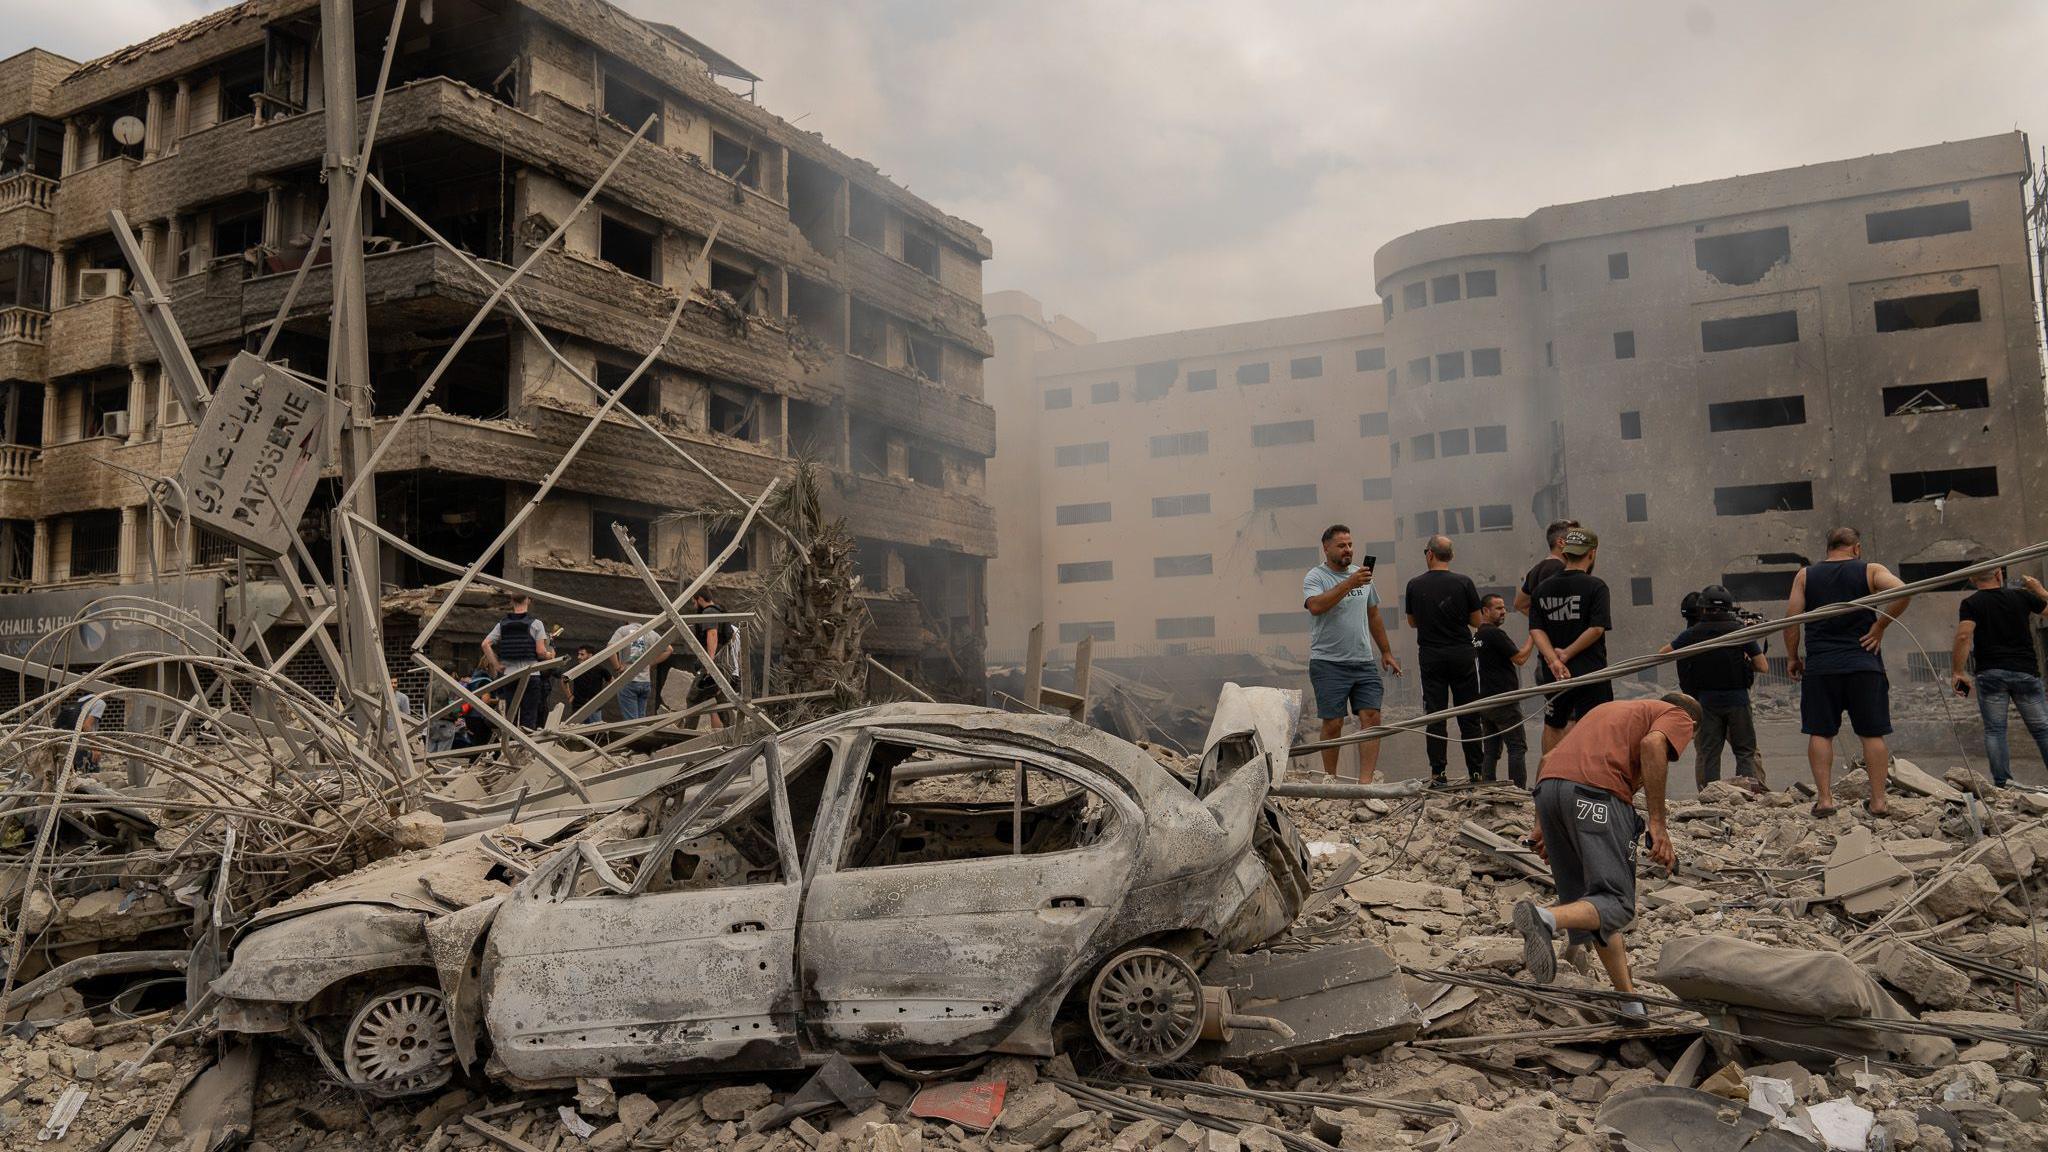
(1782, 977)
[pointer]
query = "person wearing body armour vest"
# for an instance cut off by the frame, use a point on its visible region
(1720, 680)
(519, 641)
(1843, 668)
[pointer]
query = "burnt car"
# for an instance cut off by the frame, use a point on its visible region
(909, 881)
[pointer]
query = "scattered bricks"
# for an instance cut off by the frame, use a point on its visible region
(1929, 981)
(1966, 892)
(1259, 1138)
(733, 1103)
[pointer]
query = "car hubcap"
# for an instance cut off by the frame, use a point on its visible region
(1146, 1007)
(399, 1043)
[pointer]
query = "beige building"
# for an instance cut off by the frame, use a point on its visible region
(848, 324)
(1712, 376)
(1165, 494)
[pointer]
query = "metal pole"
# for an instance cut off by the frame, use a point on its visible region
(348, 355)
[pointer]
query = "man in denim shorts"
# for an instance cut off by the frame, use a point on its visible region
(1347, 646)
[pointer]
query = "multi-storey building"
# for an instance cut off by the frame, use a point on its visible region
(849, 328)
(1714, 375)
(1165, 494)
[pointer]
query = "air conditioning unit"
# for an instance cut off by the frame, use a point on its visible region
(114, 424)
(98, 283)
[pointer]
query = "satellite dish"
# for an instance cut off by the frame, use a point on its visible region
(128, 131)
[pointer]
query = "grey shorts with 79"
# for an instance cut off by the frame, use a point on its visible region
(1590, 835)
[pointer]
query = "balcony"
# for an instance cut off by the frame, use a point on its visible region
(27, 190)
(17, 482)
(894, 397)
(88, 195)
(23, 334)
(96, 334)
(25, 210)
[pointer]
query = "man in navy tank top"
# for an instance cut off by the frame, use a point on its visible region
(1843, 668)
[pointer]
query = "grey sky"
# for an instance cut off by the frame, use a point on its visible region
(1154, 164)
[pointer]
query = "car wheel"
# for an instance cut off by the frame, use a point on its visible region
(1145, 1007)
(399, 1044)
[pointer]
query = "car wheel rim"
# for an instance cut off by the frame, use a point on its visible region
(1146, 1007)
(399, 1043)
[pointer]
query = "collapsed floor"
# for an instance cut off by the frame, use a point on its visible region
(1937, 906)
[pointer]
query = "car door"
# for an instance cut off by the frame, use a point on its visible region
(959, 954)
(590, 976)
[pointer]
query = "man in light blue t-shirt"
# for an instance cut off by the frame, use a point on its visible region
(1347, 645)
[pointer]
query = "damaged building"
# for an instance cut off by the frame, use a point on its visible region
(1712, 376)
(1162, 495)
(844, 322)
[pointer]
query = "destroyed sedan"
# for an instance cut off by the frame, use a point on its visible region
(910, 881)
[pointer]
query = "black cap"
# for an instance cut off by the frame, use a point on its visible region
(1715, 597)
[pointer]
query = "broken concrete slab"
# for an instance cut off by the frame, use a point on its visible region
(1859, 865)
(1965, 891)
(1932, 983)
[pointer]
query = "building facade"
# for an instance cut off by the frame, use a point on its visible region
(846, 329)
(1712, 376)
(1165, 494)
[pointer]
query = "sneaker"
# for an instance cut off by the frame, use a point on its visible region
(1539, 951)
(1634, 1014)
(1438, 783)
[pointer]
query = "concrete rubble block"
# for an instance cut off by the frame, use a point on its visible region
(1495, 953)
(1911, 777)
(1519, 1129)
(1966, 891)
(610, 1138)
(1931, 982)
(2023, 1100)
(415, 830)
(1964, 780)
(1680, 896)
(1032, 1112)
(1259, 1138)
(1138, 1136)
(74, 1031)
(594, 1097)
(637, 1112)
(735, 1101)
(2009, 860)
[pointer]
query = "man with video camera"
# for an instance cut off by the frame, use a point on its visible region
(1720, 680)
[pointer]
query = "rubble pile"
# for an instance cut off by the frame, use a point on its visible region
(1852, 982)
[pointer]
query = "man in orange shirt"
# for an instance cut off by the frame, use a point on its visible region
(1587, 828)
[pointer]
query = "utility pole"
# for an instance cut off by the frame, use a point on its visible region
(349, 410)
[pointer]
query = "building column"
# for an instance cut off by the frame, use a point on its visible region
(60, 278)
(152, 245)
(70, 162)
(138, 397)
(130, 554)
(174, 246)
(273, 218)
(153, 124)
(39, 565)
(52, 434)
(181, 114)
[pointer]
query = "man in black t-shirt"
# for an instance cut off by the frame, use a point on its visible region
(719, 641)
(1995, 623)
(1551, 565)
(1720, 681)
(1443, 607)
(1499, 661)
(583, 689)
(1569, 625)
